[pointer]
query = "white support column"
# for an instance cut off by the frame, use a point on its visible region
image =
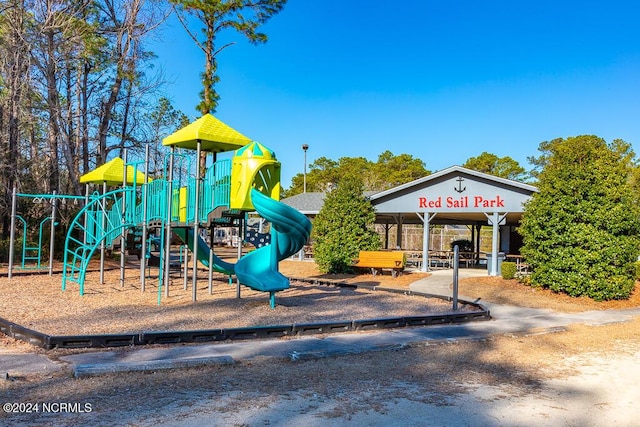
(495, 219)
(426, 219)
(494, 243)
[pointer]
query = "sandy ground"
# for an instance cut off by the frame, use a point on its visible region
(486, 383)
(586, 376)
(600, 391)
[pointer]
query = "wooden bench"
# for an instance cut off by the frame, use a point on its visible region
(382, 260)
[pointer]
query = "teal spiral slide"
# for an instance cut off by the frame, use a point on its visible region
(258, 270)
(290, 230)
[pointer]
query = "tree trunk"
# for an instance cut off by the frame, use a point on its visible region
(53, 129)
(105, 119)
(124, 130)
(84, 114)
(69, 145)
(18, 66)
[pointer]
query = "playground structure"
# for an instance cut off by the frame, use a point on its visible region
(220, 196)
(31, 254)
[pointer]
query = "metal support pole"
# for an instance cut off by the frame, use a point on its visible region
(212, 230)
(240, 228)
(123, 237)
(53, 232)
(12, 232)
(185, 270)
(86, 214)
(399, 221)
(478, 233)
(103, 225)
(167, 248)
(196, 223)
(211, 243)
(456, 264)
(240, 237)
(305, 147)
(143, 248)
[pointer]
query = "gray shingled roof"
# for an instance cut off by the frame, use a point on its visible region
(307, 203)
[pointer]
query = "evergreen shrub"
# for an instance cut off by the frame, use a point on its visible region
(508, 270)
(581, 230)
(344, 227)
(17, 250)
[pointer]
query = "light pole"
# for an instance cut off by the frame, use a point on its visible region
(305, 147)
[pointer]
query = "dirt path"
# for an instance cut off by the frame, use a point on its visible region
(525, 381)
(601, 390)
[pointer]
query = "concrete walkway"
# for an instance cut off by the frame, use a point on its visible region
(505, 320)
(441, 282)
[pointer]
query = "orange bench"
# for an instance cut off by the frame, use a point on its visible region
(382, 260)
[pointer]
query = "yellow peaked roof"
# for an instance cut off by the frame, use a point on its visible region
(112, 173)
(213, 135)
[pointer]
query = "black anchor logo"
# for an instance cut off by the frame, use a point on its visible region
(460, 189)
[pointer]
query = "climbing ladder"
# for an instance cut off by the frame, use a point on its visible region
(82, 240)
(30, 254)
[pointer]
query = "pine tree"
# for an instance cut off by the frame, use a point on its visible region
(344, 226)
(581, 231)
(216, 16)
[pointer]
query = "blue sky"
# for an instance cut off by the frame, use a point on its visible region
(440, 80)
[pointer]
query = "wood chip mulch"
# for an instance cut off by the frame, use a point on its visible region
(36, 301)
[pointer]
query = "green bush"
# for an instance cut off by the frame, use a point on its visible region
(344, 227)
(17, 250)
(637, 268)
(524, 279)
(581, 230)
(508, 270)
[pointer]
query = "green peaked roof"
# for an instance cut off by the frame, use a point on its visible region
(257, 150)
(213, 134)
(111, 173)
